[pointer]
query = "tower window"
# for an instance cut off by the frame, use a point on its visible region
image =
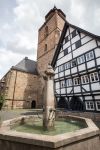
(45, 47)
(46, 31)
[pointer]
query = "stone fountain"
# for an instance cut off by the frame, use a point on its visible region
(87, 138)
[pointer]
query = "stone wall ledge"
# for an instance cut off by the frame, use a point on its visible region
(51, 141)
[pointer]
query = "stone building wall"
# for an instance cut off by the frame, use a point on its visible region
(55, 26)
(22, 88)
(55, 23)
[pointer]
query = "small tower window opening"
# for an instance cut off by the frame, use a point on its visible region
(46, 31)
(45, 49)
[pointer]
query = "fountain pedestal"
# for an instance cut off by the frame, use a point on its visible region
(49, 104)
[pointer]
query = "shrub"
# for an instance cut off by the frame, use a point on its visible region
(2, 99)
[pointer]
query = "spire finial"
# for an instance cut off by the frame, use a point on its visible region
(55, 7)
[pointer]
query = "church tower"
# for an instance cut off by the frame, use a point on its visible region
(48, 37)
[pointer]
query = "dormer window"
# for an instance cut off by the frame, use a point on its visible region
(46, 31)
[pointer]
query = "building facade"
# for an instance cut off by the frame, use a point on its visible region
(21, 83)
(24, 86)
(77, 70)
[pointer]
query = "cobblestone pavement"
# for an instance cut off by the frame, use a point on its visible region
(9, 114)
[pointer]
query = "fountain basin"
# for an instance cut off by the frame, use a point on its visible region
(86, 138)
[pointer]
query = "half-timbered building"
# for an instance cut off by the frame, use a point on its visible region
(77, 70)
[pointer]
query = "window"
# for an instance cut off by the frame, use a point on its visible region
(66, 51)
(66, 39)
(69, 82)
(67, 65)
(73, 33)
(81, 59)
(61, 68)
(74, 63)
(78, 44)
(76, 81)
(46, 31)
(62, 83)
(94, 77)
(90, 105)
(45, 47)
(98, 105)
(85, 79)
(89, 55)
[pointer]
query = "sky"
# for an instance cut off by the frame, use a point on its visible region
(21, 19)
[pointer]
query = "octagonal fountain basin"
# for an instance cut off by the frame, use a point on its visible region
(70, 133)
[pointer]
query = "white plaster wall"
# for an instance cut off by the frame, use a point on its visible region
(74, 70)
(63, 91)
(61, 54)
(97, 52)
(71, 29)
(90, 64)
(56, 76)
(88, 97)
(67, 72)
(66, 45)
(64, 59)
(98, 61)
(81, 67)
(69, 49)
(77, 89)
(97, 97)
(69, 90)
(73, 46)
(76, 38)
(98, 43)
(58, 91)
(61, 74)
(95, 86)
(86, 39)
(63, 41)
(57, 85)
(85, 48)
(82, 35)
(56, 70)
(67, 33)
(86, 87)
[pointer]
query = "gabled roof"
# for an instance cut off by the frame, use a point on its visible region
(63, 35)
(26, 65)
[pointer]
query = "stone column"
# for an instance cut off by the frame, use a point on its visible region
(49, 103)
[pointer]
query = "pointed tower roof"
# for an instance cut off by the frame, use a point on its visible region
(52, 11)
(26, 65)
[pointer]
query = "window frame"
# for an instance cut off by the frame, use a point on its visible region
(89, 103)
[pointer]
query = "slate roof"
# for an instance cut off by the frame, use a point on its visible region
(26, 65)
(67, 24)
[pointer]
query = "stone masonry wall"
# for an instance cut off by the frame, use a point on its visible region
(22, 89)
(55, 26)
